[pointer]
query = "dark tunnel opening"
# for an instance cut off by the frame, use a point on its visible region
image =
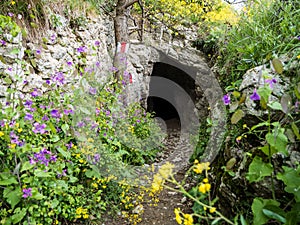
(165, 110)
(167, 107)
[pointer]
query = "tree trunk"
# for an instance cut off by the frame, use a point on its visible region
(121, 36)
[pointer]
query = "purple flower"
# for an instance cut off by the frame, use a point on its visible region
(39, 128)
(80, 124)
(226, 99)
(107, 112)
(28, 103)
(93, 91)
(271, 82)
(114, 69)
(25, 82)
(59, 78)
(69, 145)
(298, 37)
(38, 51)
(45, 118)
(97, 111)
(53, 37)
(35, 93)
(69, 63)
(27, 192)
(81, 49)
(48, 82)
(43, 157)
(97, 63)
(55, 113)
(10, 14)
(63, 174)
(255, 96)
(96, 158)
(2, 42)
(94, 125)
(9, 69)
(97, 43)
(28, 116)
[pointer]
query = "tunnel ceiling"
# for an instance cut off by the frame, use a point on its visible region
(175, 74)
(164, 108)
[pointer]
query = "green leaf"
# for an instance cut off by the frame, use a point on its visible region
(295, 130)
(257, 209)
(258, 170)
(65, 154)
(65, 127)
(243, 221)
(231, 162)
(275, 106)
(26, 166)
(54, 203)
(8, 180)
(52, 127)
(18, 215)
(215, 221)
(237, 116)
(297, 91)
(36, 194)
(264, 93)
(293, 216)
(13, 197)
(278, 66)
(286, 102)
(15, 51)
(7, 80)
(265, 149)
(55, 138)
(33, 63)
(290, 135)
(271, 210)
(278, 140)
(41, 173)
(291, 178)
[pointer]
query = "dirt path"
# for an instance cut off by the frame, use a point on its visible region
(163, 212)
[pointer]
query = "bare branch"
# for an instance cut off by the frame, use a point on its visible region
(130, 3)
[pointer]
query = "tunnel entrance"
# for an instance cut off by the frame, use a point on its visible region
(165, 95)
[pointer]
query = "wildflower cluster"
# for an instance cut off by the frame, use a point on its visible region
(59, 149)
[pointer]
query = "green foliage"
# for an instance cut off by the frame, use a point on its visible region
(8, 26)
(275, 136)
(67, 155)
(266, 29)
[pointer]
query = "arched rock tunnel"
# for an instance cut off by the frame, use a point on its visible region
(165, 95)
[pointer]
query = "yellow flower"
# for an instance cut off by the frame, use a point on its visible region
(203, 188)
(13, 2)
(244, 126)
(188, 219)
(201, 166)
(95, 185)
(166, 170)
(298, 57)
(1, 133)
(212, 209)
(177, 216)
(20, 130)
(238, 139)
(85, 216)
(205, 180)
